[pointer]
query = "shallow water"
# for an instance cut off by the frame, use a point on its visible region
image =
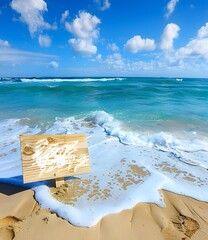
(144, 134)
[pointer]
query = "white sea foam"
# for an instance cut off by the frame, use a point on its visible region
(121, 174)
(10, 159)
(50, 86)
(184, 149)
(71, 80)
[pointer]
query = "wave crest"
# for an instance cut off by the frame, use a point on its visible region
(184, 149)
(70, 79)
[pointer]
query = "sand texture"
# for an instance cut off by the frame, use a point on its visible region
(183, 218)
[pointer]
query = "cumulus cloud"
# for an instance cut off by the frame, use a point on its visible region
(84, 28)
(188, 60)
(194, 48)
(83, 46)
(115, 60)
(103, 4)
(53, 64)
(44, 41)
(64, 16)
(99, 58)
(171, 7)
(4, 43)
(203, 31)
(31, 12)
(136, 44)
(113, 47)
(169, 34)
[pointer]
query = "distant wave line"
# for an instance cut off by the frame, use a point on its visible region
(71, 80)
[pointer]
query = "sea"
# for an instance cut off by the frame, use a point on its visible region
(143, 134)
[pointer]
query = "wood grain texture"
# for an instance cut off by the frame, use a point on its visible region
(53, 156)
(59, 182)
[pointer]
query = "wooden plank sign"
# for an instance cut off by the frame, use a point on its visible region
(53, 156)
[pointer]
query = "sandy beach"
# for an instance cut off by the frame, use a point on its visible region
(22, 218)
(103, 120)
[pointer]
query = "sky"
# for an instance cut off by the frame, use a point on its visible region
(70, 38)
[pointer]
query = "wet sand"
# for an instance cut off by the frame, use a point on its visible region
(183, 218)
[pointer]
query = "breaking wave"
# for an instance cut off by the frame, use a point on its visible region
(191, 151)
(70, 79)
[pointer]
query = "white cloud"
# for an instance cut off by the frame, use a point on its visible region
(170, 63)
(99, 58)
(136, 44)
(171, 7)
(84, 27)
(144, 66)
(83, 46)
(103, 4)
(31, 12)
(189, 60)
(113, 47)
(53, 64)
(11, 55)
(115, 60)
(196, 48)
(203, 31)
(44, 41)
(64, 16)
(169, 34)
(195, 51)
(4, 43)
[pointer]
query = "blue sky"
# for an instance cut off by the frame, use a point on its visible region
(167, 38)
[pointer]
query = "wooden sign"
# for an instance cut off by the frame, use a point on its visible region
(53, 156)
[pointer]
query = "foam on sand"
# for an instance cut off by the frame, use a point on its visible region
(126, 167)
(183, 218)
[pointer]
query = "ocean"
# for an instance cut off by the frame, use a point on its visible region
(144, 134)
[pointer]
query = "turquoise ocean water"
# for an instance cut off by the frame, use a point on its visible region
(158, 115)
(141, 102)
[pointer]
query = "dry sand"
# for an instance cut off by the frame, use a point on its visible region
(184, 218)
